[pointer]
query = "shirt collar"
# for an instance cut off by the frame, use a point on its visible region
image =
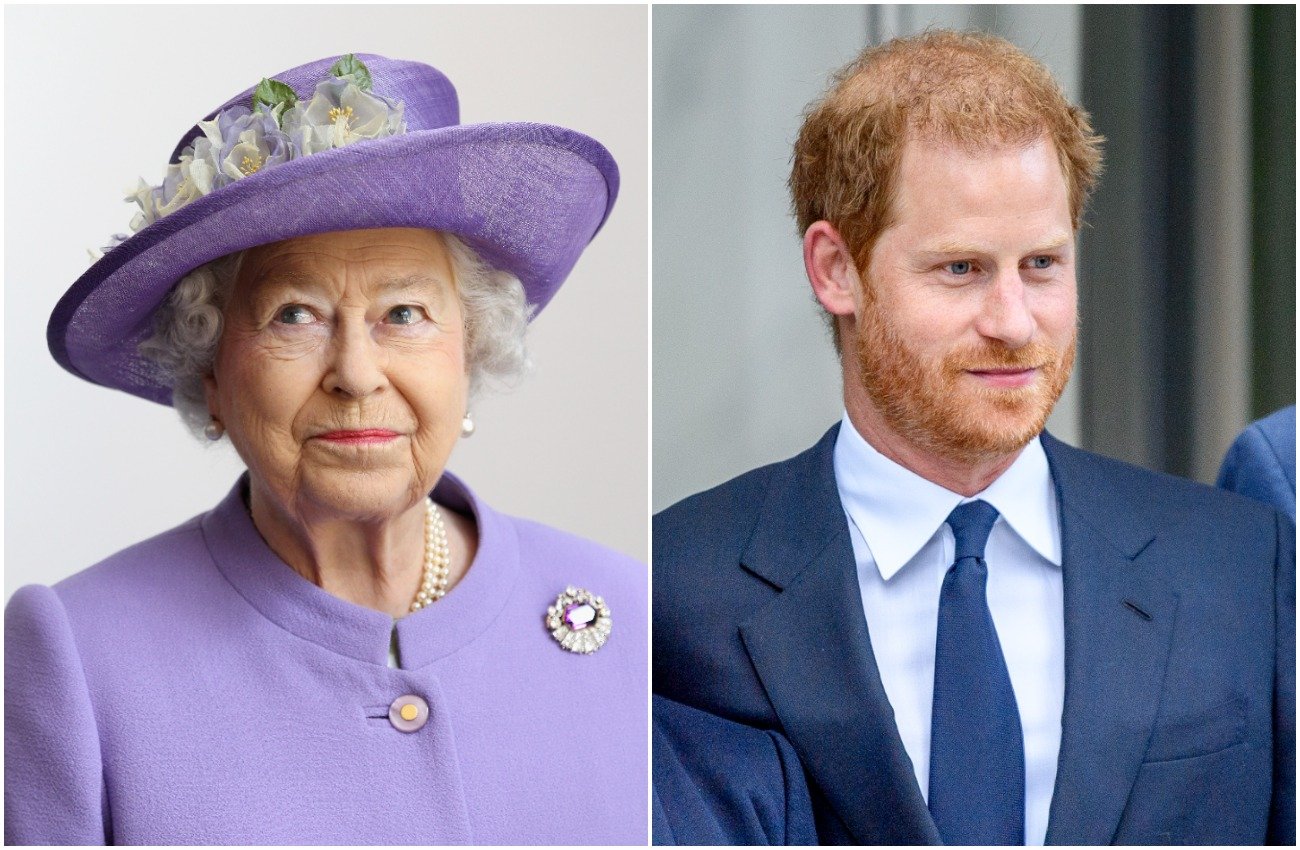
(898, 511)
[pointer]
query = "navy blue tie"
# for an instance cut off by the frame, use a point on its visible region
(977, 751)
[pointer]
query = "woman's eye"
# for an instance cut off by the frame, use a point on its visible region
(1042, 262)
(294, 314)
(405, 314)
(961, 267)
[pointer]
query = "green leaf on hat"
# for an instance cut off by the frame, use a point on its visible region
(273, 94)
(351, 66)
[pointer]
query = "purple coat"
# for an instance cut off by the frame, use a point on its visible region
(193, 689)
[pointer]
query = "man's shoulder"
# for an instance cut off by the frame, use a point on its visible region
(724, 516)
(1108, 474)
(1278, 428)
(1261, 461)
(1115, 493)
(730, 503)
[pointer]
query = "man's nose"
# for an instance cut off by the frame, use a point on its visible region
(356, 361)
(1004, 313)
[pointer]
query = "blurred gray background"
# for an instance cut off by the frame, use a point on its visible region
(98, 96)
(1187, 277)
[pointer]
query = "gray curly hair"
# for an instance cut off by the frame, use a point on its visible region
(188, 327)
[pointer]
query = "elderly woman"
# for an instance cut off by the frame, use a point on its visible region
(351, 647)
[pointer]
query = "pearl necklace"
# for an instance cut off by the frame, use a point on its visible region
(437, 559)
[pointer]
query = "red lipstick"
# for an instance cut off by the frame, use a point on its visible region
(364, 436)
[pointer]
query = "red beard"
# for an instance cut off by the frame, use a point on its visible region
(935, 406)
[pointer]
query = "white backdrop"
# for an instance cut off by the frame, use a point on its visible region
(98, 96)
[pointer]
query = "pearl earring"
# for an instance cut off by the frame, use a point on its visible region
(467, 425)
(213, 430)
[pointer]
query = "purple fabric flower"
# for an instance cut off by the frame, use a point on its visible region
(244, 142)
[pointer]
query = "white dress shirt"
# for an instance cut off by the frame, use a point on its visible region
(904, 547)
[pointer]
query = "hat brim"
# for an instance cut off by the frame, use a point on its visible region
(527, 197)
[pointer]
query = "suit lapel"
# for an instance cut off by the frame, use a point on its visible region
(1119, 621)
(811, 651)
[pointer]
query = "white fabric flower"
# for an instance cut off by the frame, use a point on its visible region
(148, 214)
(339, 114)
(189, 179)
(186, 180)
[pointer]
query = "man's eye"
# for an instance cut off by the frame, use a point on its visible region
(961, 267)
(405, 314)
(294, 314)
(1042, 262)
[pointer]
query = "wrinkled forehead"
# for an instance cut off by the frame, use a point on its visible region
(378, 257)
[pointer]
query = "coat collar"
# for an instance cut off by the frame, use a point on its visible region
(295, 604)
(800, 516)
(813, 639)
(1119, 618)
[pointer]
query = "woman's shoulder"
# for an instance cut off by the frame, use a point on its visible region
(134, 580)
(104, 619)
(545, 552)
(552, 561)
(549, 550)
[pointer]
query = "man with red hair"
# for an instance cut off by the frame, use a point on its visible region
(971, 632)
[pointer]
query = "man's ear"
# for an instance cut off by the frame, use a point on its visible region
(831, 270)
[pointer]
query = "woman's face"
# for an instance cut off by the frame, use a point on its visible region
(340, 376)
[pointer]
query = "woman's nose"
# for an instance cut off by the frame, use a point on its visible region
(356, 367)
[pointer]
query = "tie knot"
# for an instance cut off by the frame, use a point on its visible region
(971, 524)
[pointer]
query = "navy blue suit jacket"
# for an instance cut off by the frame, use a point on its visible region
(1179, 716)
(718, 782)
(1261, 462)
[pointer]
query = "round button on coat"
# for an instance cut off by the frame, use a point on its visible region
(408, 713)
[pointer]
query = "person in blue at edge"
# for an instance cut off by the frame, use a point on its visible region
(1261, 462)
(969, 631)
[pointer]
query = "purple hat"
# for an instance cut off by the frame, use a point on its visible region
(526, 197)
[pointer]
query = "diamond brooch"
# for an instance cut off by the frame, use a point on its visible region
(579, 621)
